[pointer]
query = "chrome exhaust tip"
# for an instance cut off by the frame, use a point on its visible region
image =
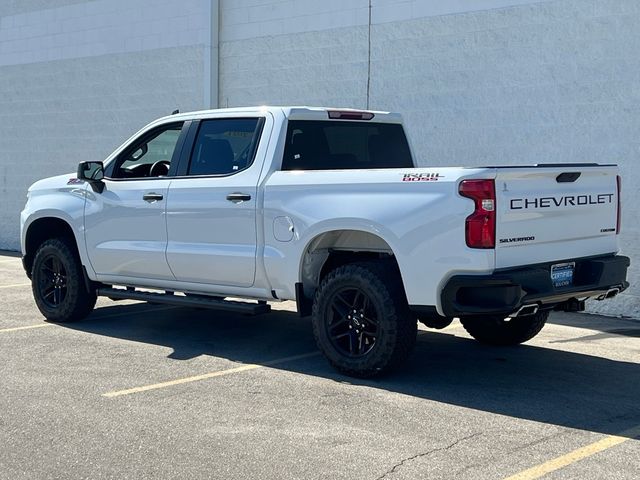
(530, 309)
(612, 292)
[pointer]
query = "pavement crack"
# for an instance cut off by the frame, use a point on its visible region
(393, 469)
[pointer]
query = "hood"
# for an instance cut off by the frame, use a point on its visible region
(59, 181)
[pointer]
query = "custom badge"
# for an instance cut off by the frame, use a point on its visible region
(421, 177)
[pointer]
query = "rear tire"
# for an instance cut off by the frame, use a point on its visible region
(57, 281)
(495, 330)
(361, 320)
(436, 321)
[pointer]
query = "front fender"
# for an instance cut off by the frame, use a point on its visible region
(64, 203)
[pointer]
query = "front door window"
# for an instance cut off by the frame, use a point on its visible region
(149, 156)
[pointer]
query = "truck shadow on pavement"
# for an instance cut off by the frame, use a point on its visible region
(626, 327)
(527, 382)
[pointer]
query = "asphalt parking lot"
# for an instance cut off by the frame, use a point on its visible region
(148, 391)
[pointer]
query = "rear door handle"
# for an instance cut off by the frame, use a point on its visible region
(237, 197)
(152, 197)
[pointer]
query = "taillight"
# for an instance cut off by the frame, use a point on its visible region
(481, 224)
(619, 219)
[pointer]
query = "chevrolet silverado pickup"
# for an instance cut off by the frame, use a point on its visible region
(234, 208)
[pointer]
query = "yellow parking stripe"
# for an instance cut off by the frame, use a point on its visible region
(577, 455)
(40, 325)
(205, 376)
(16, 285)
(28, 327)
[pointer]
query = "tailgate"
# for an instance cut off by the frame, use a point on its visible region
(548, 213)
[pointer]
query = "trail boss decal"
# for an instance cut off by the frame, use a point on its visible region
(421, 177)
(566, 201)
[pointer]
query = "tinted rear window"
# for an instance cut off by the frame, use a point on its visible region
(327, 145)
(225, 145)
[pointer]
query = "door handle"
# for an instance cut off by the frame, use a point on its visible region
(152, 197)
(237, 197)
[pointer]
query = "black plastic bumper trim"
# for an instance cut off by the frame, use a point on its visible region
(506, 290)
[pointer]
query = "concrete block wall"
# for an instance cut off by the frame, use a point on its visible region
(478, 81)
(538, 83)
(293, 52)
(79, 77)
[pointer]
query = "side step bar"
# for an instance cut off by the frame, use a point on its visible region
(199, 301)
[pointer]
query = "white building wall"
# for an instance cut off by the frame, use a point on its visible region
(293, 52)
(79, 77)
(478, 81)
(540, 83)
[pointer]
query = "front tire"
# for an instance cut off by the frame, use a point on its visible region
(361, 320)
(57, 282)
(496, 330)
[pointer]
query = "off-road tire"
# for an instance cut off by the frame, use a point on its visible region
(495, 330)
(396, 326)
(76, 303)
(435, 321)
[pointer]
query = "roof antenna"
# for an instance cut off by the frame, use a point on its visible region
(175, 111)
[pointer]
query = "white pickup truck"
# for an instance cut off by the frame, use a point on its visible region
(324, 207)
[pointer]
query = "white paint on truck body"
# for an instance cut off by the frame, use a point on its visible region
(555, 220)
(418, 212)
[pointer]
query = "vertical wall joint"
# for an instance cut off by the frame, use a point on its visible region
(369, 57)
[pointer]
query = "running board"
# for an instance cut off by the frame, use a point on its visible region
(180, 301)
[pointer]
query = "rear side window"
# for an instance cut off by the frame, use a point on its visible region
(328, 145)
(225, 146)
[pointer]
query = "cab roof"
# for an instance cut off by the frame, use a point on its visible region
(297, 113)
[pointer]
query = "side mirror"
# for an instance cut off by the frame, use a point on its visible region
(92, 172)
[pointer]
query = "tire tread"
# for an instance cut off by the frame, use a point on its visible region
(78, 303)
(388, 283)
(493, 330)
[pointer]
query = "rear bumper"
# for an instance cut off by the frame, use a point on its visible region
(507, 290)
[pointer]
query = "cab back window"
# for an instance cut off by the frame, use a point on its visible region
(329, 145)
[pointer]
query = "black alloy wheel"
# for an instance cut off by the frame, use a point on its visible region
(58, 282)
(361, 321)
(52, 281)
(353, 327)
